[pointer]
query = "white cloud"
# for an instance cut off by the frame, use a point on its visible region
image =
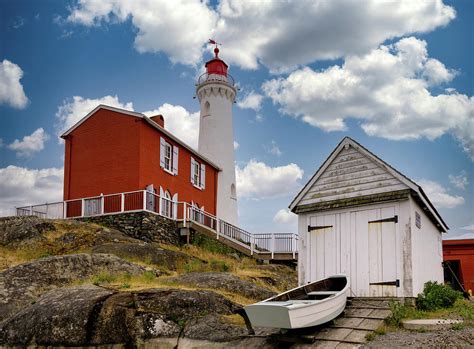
(30, 144)
(252, 100)
(273, 149)
(21, 186)
(460, 181)
(236, 145)
(285, 34)
(259, 181)
(177, 28)
(285, 216)
(438, 195)
(468, 227)
(78, 107)
(11, 89)
(279, 34)
(387, 89)
(180, 122)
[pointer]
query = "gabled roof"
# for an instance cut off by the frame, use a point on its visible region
(147, 120)
(415, 188)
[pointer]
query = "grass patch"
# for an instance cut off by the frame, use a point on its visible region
(370, 336)
(234, 319)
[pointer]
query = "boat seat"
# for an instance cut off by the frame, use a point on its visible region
(322, 293)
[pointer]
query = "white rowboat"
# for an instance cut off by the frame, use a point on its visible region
(305, 306)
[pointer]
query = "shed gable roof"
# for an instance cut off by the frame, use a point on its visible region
(353, 171)
(148, 121)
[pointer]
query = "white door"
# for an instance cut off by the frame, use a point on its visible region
(382, 253)
(322, 246)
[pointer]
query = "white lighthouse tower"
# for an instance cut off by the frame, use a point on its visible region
(216, 92)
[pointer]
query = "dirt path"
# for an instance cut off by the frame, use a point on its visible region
(440, 339)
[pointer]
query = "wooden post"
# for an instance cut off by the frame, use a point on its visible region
(144, 200)
(31, 210)
(273, 245)
(82, 207)
(64, 209)
(102, 203)
(184, 214)
(252, 243)
(122, 202)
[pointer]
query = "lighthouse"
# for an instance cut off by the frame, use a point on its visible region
(216, 92)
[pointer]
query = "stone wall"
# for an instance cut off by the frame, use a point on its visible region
(141, 225)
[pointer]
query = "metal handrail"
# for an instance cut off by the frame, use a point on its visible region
(259, 242)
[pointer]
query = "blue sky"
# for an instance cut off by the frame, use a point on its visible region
(397, 79)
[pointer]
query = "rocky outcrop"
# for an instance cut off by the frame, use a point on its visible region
(23, 230)
(60, 317)
(141, 225)
(22, 284)
(146, 252)
(90, 315)
(224, 281)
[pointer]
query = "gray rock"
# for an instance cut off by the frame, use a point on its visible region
(60, 317)
(22, 284)
(211, 327)
(23, 230)
(224, 281)
(91, 315)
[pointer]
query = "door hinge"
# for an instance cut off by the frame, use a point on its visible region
(395, 283)
(393, 219)
(320, 227)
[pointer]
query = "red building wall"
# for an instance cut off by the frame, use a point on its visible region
(151, 172)
(462, 251)
(111, 153)
(102, 156)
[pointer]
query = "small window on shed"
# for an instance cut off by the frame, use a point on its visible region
(417, 220)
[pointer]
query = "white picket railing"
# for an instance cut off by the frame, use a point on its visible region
(142, 200)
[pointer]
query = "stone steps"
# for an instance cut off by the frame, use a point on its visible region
(360, 318)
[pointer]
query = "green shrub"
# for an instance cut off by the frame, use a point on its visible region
(399, 312)
(437, 296)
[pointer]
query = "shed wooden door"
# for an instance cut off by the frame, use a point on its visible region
(382, 253)
(322, 247)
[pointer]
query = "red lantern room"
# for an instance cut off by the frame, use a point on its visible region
(216, 65)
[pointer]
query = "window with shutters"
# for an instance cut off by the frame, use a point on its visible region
(198, 174)
(169, 157)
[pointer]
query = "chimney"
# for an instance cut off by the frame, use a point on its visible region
(159, 119)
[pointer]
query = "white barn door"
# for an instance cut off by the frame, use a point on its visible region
(322, 247)
(361, 244)
(382, 253)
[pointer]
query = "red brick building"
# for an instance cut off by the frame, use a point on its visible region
(459, 255)
(114, 151)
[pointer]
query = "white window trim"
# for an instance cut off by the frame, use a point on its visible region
(173, 159)
(201, 168)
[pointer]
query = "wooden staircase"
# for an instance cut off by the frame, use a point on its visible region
(247, 249)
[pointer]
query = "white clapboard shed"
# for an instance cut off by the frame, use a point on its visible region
(360, 217)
